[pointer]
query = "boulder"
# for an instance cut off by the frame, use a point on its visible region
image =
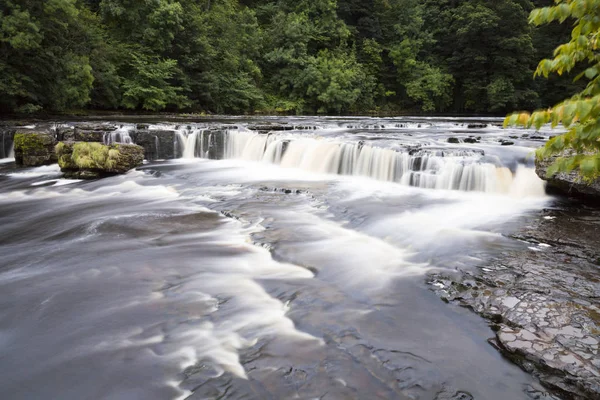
(570, 184)
(91, 160)
(33, 149)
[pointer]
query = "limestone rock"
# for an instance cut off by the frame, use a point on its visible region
(570, 184)
(33, 149)
(157, 144)
(542, 300)
(95, 160)
(80, 135)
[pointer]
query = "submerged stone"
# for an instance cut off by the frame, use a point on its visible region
(550, 316)
(95, 160)
(33, 149)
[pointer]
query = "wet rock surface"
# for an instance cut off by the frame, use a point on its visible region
(543, 301)
(6, 141)
(570, 184)
(157, 144)
(34, 149)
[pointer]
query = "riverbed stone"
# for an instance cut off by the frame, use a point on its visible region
(84, 160)
(546, 314)
(34, 149)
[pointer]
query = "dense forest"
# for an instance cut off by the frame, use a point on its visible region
(284, 56)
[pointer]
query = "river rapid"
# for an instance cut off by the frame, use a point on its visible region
(291, 265)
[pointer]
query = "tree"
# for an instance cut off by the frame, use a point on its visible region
(579, 148)
(487, 48)
(44, 55)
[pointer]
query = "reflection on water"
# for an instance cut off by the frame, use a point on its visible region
(237, 279)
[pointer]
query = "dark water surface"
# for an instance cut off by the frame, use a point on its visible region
(240, 279)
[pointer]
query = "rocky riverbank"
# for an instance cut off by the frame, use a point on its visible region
(544, 302)
(569, 184)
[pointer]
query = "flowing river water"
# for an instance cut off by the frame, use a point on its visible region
(293, 266)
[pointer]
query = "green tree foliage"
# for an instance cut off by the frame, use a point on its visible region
(580, 115)
(295, 56)
(44, 60)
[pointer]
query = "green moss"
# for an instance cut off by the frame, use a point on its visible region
(60, 149)
(94, 156)
(90, 160)
(31, 142)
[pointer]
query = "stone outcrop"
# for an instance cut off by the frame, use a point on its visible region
(570, 184)
(80, 135)
(95, 160)
(33, 149)
(542, 300)
(157, 144)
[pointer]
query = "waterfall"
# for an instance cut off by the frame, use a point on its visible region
(121, 135)
(192, 144)
(445, 169)
(4, 152)
(157, 146)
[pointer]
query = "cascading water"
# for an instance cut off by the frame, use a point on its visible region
(194, 144)
(6, 146)
(120, 135)
(448, 169)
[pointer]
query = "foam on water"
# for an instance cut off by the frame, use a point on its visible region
(53, 169)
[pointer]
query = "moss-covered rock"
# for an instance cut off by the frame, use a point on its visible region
(570, 184)
(33, 149)
(95, 160)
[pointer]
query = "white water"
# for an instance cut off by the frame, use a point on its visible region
(194, 144)
(121, 135)
(429, 169)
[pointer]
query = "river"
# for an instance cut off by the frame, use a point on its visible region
(292, 266)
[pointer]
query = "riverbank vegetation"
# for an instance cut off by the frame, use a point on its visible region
(579, 148)
(284, 56)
